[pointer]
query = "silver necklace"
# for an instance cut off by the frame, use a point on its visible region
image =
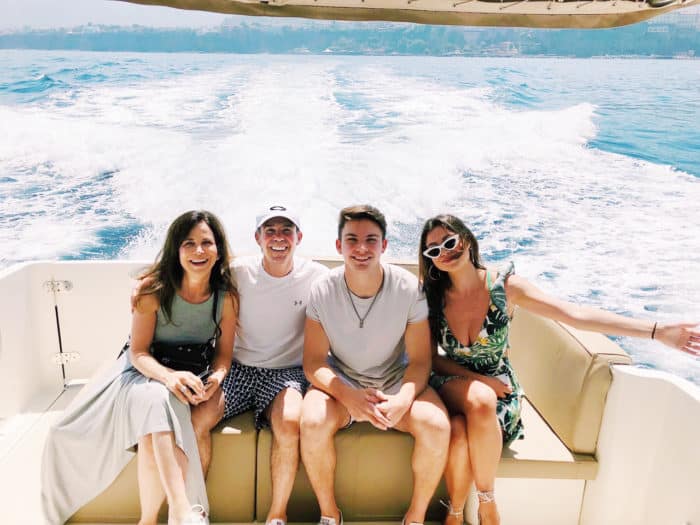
(352, 303)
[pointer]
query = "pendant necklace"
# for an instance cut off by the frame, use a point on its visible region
(352, 303)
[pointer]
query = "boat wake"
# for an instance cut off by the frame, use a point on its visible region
(97, 169)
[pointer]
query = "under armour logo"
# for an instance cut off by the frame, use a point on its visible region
(298, 302)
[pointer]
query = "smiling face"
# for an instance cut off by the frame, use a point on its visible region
(278, 239)
(361, 244)
(448, 260)
(198, 252)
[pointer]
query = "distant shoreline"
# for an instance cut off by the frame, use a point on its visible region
(334, 54)
(676, 38)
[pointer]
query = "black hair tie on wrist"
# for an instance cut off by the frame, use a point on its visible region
(653, 330)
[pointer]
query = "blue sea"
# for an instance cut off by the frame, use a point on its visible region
(585, 172)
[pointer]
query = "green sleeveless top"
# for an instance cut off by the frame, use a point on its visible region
(188, 323)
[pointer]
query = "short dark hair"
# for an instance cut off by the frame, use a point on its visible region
(360, 212)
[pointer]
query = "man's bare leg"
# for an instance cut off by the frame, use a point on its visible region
(204, 419)
(284, 415)
(427, 421)
(321, 418)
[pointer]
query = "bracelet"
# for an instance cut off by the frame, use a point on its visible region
(653, 330)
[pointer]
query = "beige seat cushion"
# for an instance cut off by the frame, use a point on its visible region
(542, 454)
(231, 479)
(230, 484)
(374, 478)
(566, 374)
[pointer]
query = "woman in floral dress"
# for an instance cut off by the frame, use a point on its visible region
(470, 312)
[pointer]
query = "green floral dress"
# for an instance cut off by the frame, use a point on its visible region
(486, 356)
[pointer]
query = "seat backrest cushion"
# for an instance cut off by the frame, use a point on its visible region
(565, 374)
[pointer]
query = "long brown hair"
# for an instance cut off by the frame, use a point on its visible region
(435, 282)
(166, 273)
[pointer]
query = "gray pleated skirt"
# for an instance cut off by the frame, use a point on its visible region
(97, 434)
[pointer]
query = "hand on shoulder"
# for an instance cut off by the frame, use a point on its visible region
(141, 284)
(145, 304)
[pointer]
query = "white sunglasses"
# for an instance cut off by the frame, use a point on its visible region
(448, 244)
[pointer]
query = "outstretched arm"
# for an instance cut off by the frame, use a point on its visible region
(682, 336)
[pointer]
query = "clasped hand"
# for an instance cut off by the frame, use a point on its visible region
(189, 388)
(379, 409)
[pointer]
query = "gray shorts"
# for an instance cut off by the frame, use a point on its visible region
(254, 388)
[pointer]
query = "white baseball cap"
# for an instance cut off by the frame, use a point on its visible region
(277, 211)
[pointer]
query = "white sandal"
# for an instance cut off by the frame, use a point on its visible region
(451, 511)
(485, 496)
(327, 520)
(197, 516)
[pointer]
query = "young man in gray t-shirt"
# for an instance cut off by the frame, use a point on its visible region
(367, 356)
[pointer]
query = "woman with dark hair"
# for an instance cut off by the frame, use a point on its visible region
(141, 404)
(470, 311)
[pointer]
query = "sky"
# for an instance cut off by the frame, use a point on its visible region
(70, 13)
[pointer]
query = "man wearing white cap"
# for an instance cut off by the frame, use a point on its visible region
(266, 374)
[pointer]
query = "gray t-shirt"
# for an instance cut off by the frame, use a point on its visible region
(374, 355)
(272, 312)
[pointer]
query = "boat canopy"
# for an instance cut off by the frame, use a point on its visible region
(573, 14)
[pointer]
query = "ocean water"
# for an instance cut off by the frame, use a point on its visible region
(586, 173)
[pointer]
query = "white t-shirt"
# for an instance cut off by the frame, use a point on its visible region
(272, 312)
(374, 355)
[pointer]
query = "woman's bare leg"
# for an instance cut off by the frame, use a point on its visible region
(458, 474)
(172, 466)
(477, 401)
(151, 494)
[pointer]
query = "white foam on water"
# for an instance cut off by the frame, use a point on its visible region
(53, 206)
(317, 134)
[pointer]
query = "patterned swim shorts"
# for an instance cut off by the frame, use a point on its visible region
(249, 387)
